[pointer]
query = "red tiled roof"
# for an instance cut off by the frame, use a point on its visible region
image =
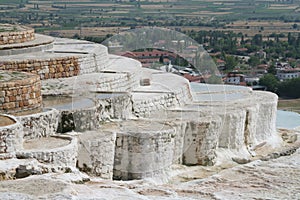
(192, 47)
(234, 74)
(262, 66)
(242, 49)
(192, 78)
(220, 61)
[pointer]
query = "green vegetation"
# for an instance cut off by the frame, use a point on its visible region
(8, 28)
(264, 31)
(213, 79)
(230, 62)
(270, 81)
(51, 15)
(226, 42)
(288, 88)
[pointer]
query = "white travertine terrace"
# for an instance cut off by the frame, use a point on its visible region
(127, 130)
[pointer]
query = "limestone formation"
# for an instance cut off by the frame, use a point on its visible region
(111, 118)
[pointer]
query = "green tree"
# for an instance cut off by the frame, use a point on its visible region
(291, 39)
(270, 81)
(290, 88)
(295, 26)
(161, 59)
(213, 79)
(257, 40)
(253, 61)
(272, 69)
(76, 36)
(180, 61)
(231, 62)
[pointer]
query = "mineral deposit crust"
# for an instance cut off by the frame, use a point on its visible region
(129, 130)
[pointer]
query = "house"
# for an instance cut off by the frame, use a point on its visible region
(235, 78)
(147, 57)
(242, 50)
(252, 80)
(220, 62)
(289, 73)
(282, 65)
(192, 48)
(261, 69)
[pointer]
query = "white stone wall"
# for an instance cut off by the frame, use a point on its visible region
(180, 127)
(115, 82)
(183, 95)
(122, 65)
(65, 156)
(143, 107)
(253, 123)
(96, 153)
(116, 106)
(96, 82)
(11, 139)
(200, 142)
(246, 121)
(252, 115)
(179, 97)
(196, 138)
(232, 129)
(79, 120)
(94, 61)
(87, 64)
(143, 154)
(41, 124)
(266, 120)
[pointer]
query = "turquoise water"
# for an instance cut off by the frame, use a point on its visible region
(287, 119)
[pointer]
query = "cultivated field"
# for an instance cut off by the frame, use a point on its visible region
(102, 17)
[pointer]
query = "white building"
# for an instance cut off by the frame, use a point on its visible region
(284, 74)
(235, 78)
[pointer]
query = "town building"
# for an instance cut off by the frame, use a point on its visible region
(147, 57)
(235, 78)
(284, 74)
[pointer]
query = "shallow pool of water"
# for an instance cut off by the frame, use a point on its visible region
(218, 97)
(77, 102)
(287, 119)
(67, 103)
(213, 88)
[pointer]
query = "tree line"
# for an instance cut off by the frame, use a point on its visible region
(288, 88)
(229, 42)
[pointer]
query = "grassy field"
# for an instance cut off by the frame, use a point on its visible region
(60, 17)
(289, 104)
